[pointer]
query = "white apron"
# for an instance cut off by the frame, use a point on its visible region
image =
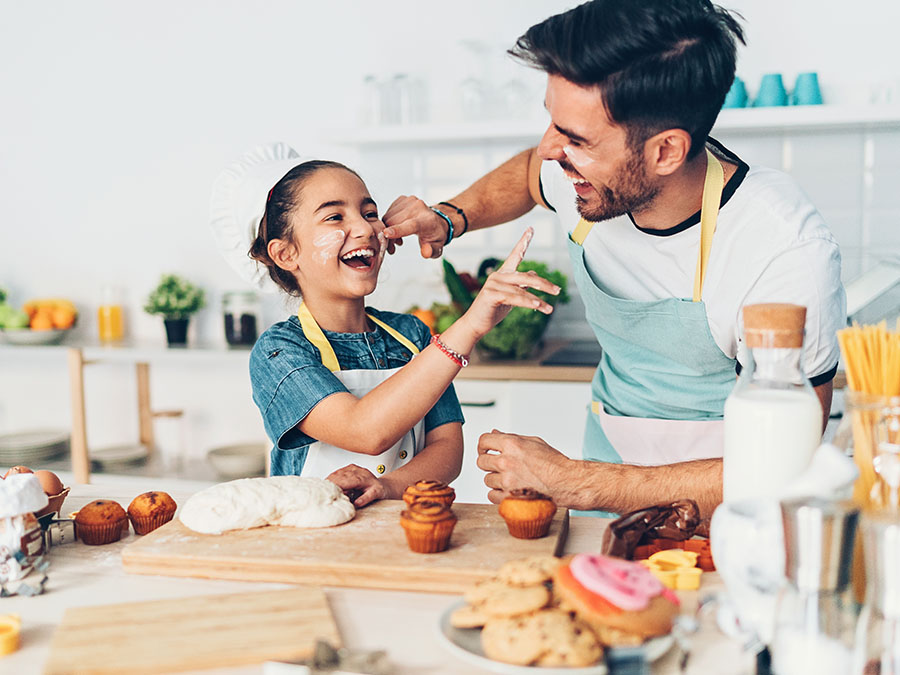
(321, 458)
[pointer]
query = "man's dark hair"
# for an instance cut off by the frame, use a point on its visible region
(658, 64)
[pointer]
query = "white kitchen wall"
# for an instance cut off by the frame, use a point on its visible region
(117, 117)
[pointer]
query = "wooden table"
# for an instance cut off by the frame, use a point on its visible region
(405, 624)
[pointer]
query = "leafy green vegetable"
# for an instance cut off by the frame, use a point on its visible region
(516, 336)
(2, 294)
(458, 291)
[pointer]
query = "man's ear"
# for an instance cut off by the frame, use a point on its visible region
(667, 151)
(284, 254)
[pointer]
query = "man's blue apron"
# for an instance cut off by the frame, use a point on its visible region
(662, 381)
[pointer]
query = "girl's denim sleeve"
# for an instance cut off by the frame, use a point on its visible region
(287, 384)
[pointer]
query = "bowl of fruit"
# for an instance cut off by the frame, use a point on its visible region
(39, 322)
(517, 335)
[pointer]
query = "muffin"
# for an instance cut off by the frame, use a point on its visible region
(432, 490)
(150, 510)
(428, 526)
(527, 513)
(101, 522)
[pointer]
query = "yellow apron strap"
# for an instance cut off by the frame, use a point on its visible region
(399, 337)
(315, 335)
(709, 212)
(581, 231)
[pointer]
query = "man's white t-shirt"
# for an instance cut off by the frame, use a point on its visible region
(770, 245)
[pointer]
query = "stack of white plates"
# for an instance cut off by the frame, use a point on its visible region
(29, 448)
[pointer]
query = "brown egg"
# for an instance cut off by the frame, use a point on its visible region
(17, 469)
(50, 482)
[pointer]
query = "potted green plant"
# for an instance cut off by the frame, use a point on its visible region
(176, 299)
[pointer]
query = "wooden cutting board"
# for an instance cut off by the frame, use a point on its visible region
(370, 551)
(164, 636)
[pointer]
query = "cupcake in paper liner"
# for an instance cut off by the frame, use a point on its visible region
(430, 490)
(527, 513)
(428, 526)
(103, 521)
(149, 510)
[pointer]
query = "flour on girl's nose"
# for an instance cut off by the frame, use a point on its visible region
(328, 245)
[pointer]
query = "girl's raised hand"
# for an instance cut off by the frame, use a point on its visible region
(505, 289)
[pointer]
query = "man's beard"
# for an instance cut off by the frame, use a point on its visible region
(629, 193)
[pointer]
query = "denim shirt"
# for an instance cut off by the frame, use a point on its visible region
(289, 380)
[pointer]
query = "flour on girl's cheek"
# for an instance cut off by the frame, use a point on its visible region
(328, 246)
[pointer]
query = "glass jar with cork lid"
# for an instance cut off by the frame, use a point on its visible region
(773, 418)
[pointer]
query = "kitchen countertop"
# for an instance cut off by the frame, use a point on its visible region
(403, 623)
(479, 368)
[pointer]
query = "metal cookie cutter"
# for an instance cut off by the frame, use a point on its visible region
(328, 660)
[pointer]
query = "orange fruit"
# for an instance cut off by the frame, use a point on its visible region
(63, 317)
(42, 320)
(427, 317)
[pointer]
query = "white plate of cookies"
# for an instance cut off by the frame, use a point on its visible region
(515, 623)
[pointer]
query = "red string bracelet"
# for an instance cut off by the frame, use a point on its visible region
(454, 356)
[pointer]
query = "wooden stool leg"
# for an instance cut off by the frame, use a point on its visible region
(145, 414)
(81, 465)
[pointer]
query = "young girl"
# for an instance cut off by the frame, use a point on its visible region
(337, 385)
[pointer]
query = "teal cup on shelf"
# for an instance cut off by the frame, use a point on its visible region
(771, 91)
(806, 90)
(737, 95)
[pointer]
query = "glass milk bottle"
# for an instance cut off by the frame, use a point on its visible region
(773, 418)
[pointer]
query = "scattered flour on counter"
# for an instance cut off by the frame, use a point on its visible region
(278, 500)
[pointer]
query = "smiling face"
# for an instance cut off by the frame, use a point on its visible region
(336, 248)
(610, 177)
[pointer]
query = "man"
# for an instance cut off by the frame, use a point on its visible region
(671, 234)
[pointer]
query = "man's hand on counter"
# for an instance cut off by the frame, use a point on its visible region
(513, 461)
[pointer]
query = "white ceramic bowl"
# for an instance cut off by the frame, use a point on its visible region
(26, 336)
(239, 461)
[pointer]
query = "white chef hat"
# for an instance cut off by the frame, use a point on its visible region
(238, 203)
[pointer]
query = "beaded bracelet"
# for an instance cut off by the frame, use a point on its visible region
(449, 224)
(455, 356)
(460, 212)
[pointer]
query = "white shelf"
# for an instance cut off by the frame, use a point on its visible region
(792, 118)
(130, 352)
(809, 118)
(438, 133)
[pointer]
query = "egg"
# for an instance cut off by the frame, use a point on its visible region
(17, 469)
(50, 482)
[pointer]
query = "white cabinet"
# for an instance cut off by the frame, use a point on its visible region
(555, 411)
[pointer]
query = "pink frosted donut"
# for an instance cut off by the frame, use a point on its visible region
(627, 585)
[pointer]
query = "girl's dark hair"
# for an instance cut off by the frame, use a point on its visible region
(658, 64)
(276, 221)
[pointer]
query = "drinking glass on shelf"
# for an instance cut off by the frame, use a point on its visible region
(110, 315)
